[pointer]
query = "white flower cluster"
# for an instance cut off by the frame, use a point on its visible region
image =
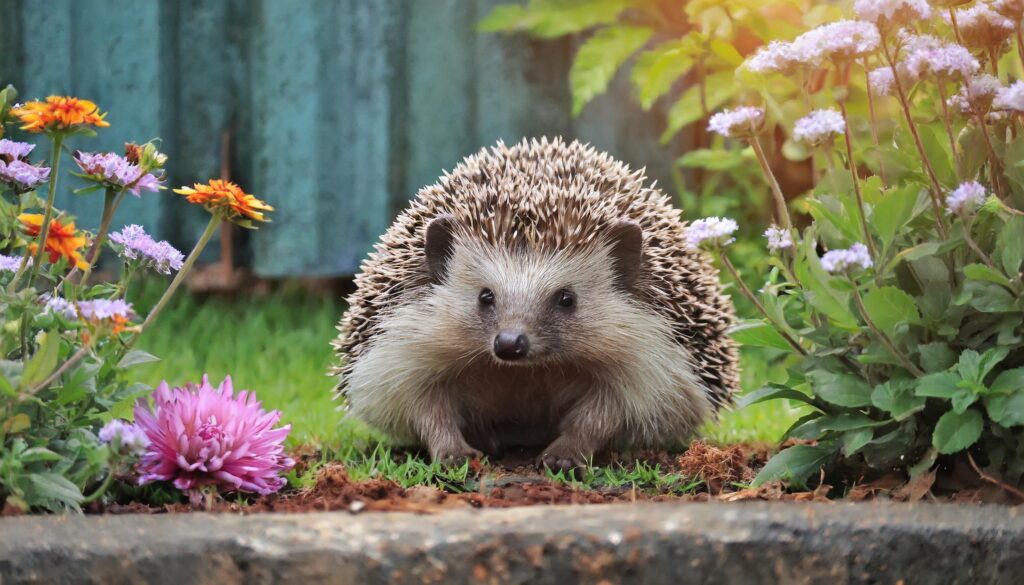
(856, 256)
(819, 126)
(844, 39)
(778, 238)
(738, 122)
(965, 198)
(976, 95)
(927, 55)
(1010, 98)
(881, 80)
(892, 12)
(711, 232)
(981, 27)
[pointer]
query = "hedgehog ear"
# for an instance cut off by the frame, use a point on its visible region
(437, 244)
(626, 241)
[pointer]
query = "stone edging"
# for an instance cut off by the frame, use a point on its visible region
(643, 543)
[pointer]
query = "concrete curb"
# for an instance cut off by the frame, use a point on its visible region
(643, 543)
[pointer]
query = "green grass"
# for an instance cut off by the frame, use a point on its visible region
(277, 345)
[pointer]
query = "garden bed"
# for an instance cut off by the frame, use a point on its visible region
(704, 473)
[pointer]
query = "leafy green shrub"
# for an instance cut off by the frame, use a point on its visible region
(66, 344)
(903, 298)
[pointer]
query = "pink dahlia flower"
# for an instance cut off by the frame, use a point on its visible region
(200, 435)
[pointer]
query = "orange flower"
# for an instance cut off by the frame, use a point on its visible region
(60, 240)
(59, 113)
(225, 197)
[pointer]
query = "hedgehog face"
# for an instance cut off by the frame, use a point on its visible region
(527, 307)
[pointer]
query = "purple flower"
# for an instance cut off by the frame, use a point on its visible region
(981, 27)
(782, 57)
(881, 81)
(14, 150)
(59, 306)
(976, 95)
(127, 438)
(136, 244)
(200, 435)
(9, 263)
(927, 55)
(965, 198)
(778, 238)
(843, 39)
(742, 121)
(22, 175)
(711, 231)
(104, 309)
(819, 126)
(115, 171)
(842, 260)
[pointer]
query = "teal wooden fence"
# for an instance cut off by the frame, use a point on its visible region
(338, 110)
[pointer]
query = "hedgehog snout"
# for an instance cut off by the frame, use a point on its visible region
(511, 344)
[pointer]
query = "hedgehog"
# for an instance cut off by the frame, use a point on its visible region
(538, 295)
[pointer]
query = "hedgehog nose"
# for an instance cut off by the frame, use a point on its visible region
(511, 344)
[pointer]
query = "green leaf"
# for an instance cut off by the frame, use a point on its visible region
(45, 488)
(955, 432)
(1006, 409)
(796, 464)
(759, 334)
(982, 272)
(37, 454)
(962, 399)
(989, 298)
(658, 69)
(718, 88)
(893, 212)
(135, 357)
(600, 57)
(815, 429)
(853, 441)
(1008, 382)
(1010, 245)
(889, 306)
(936, 356)
(726, 51)
(840, 389)
(44, 362)
(552, 18)
(897, 398)
(772, 392)
(939, 385)
(819, 291)
(975, 367)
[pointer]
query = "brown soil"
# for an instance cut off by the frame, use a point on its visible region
(514, 481)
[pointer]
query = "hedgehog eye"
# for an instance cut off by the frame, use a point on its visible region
(486, 297)
(565, 299)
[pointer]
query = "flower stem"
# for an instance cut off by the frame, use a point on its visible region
(211, 228)
(873, 123)
(102, 488)
(81, 353)
(974, 245)
(44, 229)
(945, 117)
(883, 337)
(1020, 44)
(780, 199)
(993, 56)
(750, 295)
(856, 182)
(936, 190)
(995, 169)
(956, 26)
(110, 204)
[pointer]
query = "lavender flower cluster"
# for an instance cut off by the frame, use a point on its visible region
(857, 256)
(711, 231)
(136, 244)
(819, 126)
(738, 122)
(778, 238)
(15, 170)
(104, 309)
(9, 263)
(116, 171)
(965, 198)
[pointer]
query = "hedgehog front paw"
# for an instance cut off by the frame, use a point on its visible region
(565, 460)
(455, 455)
